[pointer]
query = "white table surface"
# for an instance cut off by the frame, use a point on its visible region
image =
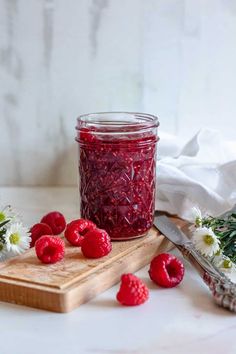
(180, 320)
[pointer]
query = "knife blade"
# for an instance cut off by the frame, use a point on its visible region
(170, 230)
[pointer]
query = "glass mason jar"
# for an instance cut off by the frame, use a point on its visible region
(117, 171)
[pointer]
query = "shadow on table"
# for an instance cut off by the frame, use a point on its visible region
(104, 303)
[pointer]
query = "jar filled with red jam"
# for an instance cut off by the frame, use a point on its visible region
(117, 171)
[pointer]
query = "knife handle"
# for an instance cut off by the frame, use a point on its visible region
(223, 290)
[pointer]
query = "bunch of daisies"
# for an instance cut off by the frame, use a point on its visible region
(14, 237)
(215, 238)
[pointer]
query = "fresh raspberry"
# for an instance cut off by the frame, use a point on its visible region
(50, 249)
(96, 244)
(39, 230)
(56, 221)
(166, 270)
(132, 291)
(77, 229)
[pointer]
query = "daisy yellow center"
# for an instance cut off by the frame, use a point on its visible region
(227, 264)
(208, 239)
(198, 221)
(14, 238)
(2, 217)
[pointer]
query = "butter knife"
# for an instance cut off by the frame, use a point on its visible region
(222, 288)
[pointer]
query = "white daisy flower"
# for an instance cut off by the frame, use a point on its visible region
(3, 252)
(226, 265)
(206, 241)
(194, 215)
(17, 238)
(218, 258)
(7, 213)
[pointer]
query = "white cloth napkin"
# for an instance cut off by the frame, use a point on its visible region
(200, 173)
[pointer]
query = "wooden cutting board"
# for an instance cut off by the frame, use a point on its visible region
(63, 286)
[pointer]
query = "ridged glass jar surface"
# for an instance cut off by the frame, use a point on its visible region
(117, 171)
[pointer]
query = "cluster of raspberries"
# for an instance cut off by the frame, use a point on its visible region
(166, 270)
(50, 248)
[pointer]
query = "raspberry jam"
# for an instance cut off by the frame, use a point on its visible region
(117, 154)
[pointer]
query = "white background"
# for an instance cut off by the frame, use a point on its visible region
(61, 58)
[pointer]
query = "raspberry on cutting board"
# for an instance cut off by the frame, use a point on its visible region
(166, 270)
(96, 244)
(132, 291)
(50, 249)
(77, 229)
(56, 221)
(38, 230)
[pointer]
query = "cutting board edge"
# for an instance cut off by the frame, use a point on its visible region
(65, 300)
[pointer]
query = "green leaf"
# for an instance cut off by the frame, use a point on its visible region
(4, 223)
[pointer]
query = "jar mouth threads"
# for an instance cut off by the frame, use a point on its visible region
(117, 121)
(117, 126)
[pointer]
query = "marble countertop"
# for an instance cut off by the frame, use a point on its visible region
(180, 320)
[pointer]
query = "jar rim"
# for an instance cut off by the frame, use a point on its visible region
(117, 119)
